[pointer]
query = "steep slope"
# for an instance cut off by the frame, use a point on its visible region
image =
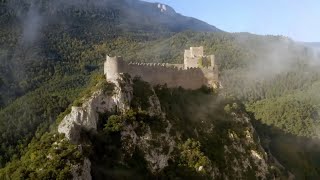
(131, 129)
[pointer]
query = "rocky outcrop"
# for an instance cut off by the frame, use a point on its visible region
(82, 171)
(245, 154)
(166, 9)
(157, 156)
(155, 106)
(240, 150)
(86, 116)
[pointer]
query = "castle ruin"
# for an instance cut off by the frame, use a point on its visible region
(197, 70)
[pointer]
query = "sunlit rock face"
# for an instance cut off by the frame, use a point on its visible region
(157, 157)
(86, 116)
(166, 9)
(161, 144)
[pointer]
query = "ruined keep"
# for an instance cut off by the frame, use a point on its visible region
(197, 70)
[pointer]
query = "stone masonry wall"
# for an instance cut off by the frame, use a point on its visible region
(172, 76)
(155, 73)
(188, 75)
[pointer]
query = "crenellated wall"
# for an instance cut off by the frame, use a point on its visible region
(174, 75)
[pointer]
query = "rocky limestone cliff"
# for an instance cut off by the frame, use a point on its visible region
(250, 153)
(235, 151)
(86, 116)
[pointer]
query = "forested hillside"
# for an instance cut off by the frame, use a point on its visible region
(50, 51)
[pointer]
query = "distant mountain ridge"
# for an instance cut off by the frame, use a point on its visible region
(127, 15)
(175, 21)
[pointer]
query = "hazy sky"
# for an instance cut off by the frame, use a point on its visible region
(297, 19)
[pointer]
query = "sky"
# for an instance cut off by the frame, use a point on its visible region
(299, 20)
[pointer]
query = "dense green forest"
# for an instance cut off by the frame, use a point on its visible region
(276, 78)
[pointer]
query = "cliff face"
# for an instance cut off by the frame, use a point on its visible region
(142, 128)
(86, 116)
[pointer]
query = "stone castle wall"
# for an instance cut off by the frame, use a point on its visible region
(192, 74)
(174, 75)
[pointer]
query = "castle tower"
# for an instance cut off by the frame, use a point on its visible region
(192, 56)
(187, 56)
(212, 60)
(113, 66)
(196, 51)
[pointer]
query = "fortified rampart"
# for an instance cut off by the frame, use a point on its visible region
(190, 75)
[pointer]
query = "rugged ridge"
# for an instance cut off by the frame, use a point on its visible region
(162, 145)
(85, 118)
